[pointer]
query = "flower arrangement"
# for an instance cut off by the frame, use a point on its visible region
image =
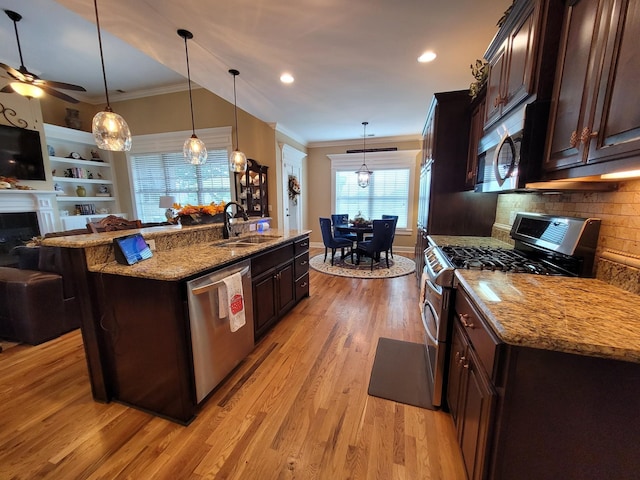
(11, 182)
(360, 221)
(294, 188)
(198, 214)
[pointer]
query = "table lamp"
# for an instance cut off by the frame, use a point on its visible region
(167, 202)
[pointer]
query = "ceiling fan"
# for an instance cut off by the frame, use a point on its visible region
(29, 84)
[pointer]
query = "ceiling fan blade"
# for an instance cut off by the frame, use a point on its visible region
(7, 89)
(60, 95)
(64, 86)
(13, 72)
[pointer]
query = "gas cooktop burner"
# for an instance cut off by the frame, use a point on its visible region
(501, 259)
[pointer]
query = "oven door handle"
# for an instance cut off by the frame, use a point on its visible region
(432, 312)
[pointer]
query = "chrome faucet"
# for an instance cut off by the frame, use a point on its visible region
(226, 232)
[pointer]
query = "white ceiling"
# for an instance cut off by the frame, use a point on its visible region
(353, 61)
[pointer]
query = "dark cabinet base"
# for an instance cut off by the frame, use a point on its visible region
(145, 324)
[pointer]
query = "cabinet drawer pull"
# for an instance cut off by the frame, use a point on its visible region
(573, 139)
(303, 285)
(303, 262)
(587, 135)
(305, 244)
(463, 319)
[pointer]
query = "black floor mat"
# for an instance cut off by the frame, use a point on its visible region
(400, 373)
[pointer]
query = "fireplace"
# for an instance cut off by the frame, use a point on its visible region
(16, 229)
(26, 214)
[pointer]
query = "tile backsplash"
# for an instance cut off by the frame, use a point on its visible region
(619, 232)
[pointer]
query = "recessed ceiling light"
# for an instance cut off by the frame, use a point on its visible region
(427, 57)
(286, 78)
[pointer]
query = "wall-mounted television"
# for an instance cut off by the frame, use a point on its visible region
(21, 153)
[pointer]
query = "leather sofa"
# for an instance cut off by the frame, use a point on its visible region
(37, 299)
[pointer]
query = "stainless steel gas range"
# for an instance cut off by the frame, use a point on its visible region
(544, 245)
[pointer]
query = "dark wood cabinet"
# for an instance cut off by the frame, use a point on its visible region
(471, 396)
(280, 278)
(251, 189)
(531, 413)
(594, 125)
(301, 267)
(511, 63)
(445, 207)
(478, 106)
(522, 56)
(147, 353)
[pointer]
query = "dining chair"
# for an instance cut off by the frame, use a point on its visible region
(388, 217)
(330, 242)
(380, 242)
(342, 219)
(395, 219)
(113, 223)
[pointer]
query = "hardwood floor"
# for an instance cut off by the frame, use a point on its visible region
(297, 408)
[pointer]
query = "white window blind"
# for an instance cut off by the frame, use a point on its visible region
(159, 174)
(390, 190)
(157, 168)
(387, 194)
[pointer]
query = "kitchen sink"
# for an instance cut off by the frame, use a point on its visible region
(247, 241)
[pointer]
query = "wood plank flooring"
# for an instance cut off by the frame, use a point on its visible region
(297, 408)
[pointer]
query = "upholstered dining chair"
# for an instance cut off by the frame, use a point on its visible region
(395, 219)
(342, 219)
(330, 242)
(380, 242)
(113, 223)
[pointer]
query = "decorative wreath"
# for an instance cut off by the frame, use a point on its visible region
(294, 187)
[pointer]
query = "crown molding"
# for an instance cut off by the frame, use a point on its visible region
(147, 92)
(370, 141)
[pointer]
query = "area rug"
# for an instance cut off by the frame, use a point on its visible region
(6, 344)
(400, 373)
(398, 266)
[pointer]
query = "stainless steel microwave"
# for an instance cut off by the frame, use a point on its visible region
(511, 152)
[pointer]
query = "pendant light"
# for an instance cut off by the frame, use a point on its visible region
(110, 130)
(364, 174)
(194, 150)
(237, 159)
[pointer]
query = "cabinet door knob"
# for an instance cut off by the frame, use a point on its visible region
(463, 319)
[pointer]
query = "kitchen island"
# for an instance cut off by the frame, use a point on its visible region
(135, 319)
(544, 376)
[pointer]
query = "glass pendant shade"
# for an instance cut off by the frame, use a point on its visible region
(27, 89)
(237, 159)
(238, 162)
(194, 151)
(109, 129)
(111, 132)
(364, 174)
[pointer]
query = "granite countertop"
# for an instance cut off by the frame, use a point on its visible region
(467, 241)
(177, 261)
(574, 315)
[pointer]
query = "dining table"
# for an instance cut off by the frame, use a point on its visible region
(359, 230)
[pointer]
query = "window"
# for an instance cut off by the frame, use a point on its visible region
(157, 168)
(390, 191)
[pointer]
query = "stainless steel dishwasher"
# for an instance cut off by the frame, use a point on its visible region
(216, 349)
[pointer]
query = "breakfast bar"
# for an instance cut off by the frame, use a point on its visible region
(137, 320)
